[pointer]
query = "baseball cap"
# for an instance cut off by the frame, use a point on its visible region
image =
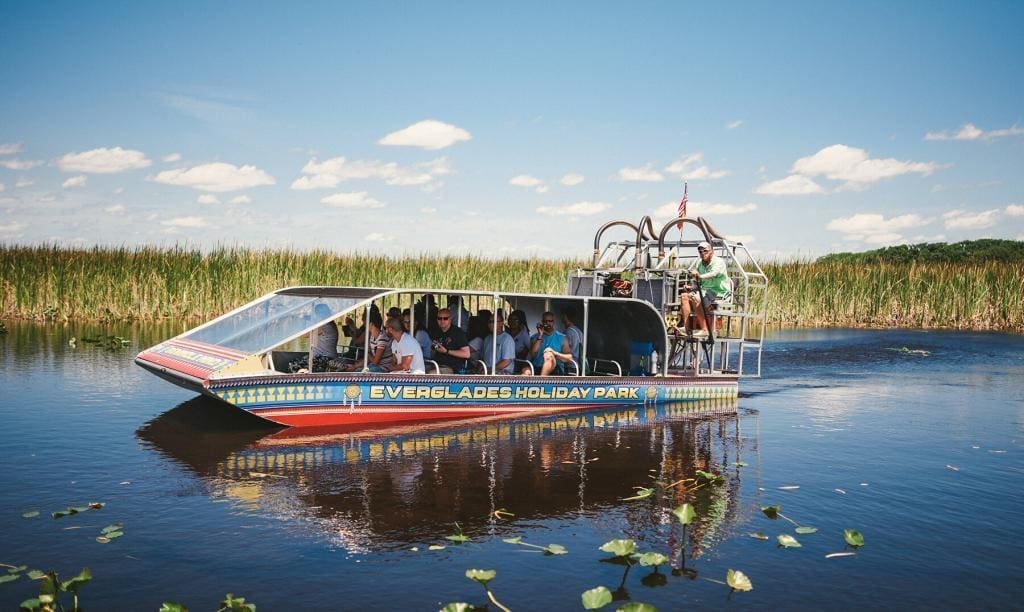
(704, 246)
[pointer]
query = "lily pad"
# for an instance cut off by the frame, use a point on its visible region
(805, 530)
(458, 606)
(555, 549)
(115, 534)
(740, 464)
(9, 578)
(685, 514)
(738, 581)
(709, 476)
(636, 606)
(853, 537)
(619, 548)
(17, 570)
(112, 527)
(771, 512)
(596, 598)
(641, 493)
(436, 547)
(96, 505)
(458, 538)
(515, 540)
(757, 535)
(649, 559)
(481, 576)
(36, 575)
(172, 606)
(787, 541)
(30, 514)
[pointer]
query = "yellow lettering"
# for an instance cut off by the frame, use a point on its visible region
(599, 392)
(376, 392)
(393, 391)
(422, 392)
(505, 393)
(521, 392)
(465, 393)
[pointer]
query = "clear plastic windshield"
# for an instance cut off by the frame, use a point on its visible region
(269, 322)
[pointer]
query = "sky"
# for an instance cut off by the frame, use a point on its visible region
(509, 130)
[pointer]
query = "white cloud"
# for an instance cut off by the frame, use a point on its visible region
(959, 219)
(744, 238)
(103, 161)
(1015, 210)
(75, 181)
(430, 134)
(116, 208)
(185, 222)
(842, 163)
(242, 199)
(692, 168)
(542, 189)
(217, 177)
(207, 198)
(922, 238)
(670, 210)
(644, 174)
(971, 132)
(379, 237)
(428, 210)
(572, 179)
(330, 172)
(20, 164)
(10, 148)
(2, 187)
(579, 209)
(793, 184)
(874, 228)
(525, 180)
(733, 125)
(173, 157)
(24, 182)
(11, 228)
(355, 199)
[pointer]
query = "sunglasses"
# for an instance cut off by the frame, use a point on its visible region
(443, 318)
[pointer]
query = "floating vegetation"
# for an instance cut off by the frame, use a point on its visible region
(853, 538)
(738, 581)
(839, 554)
(641, 493)
(458, 537)
(619, 548)
(550, 549)
(651, 559)
(483, 577)
(111, 342)
(77, 509)
(501, 513)
(110, 532)
(235, 604)
(758, 535)
(787, 541)
(596, 598)
(51, 588)
(909, 351)
(30, 514)
(774, 512)
(436, 547)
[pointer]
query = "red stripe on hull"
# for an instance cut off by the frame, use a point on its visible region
(176, 364)
(331, 415)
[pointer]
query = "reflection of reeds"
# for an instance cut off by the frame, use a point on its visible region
(153, 283)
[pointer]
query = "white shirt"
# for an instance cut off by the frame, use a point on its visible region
(575, 340)
(406, 346)
(506, 350)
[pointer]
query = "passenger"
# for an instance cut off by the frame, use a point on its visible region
(408, 358)
(517, 328)
(380, 358)
(357, 333)
(713, 276)
(395, 313)
(549, 348)
(419, 332)
(450, 347)
(426, 309)
(572, 332)
(505, 355)
(459, 313)
(477, 330)
(326, 341)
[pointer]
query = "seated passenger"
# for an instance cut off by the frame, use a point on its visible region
(505, 356)
(572, 332)
(549, 349)
(326, 341)
(517, 327)
(380, 357)
(460, 316)
(451, 350)
(477, 330)
(418, 330)
(408, 358)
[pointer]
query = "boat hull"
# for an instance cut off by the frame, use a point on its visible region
(356, 399)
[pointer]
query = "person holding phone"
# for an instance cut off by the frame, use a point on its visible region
(549, 348)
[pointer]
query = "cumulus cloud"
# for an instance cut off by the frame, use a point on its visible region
(173, 157)
(430, 134)
(20, 164)
(670, 210)
(2, 186)
(242, 199)
(572, 179)
(839, 162)
(216, 177)
(734, 124)
(75, 181)
(330, 172)
(185, 222)
(12, 227)
(578, 209)
(103, 161)
(24, 182)
(793, 184)
(645, 174)
(959, 219)
(116, 208)
(692, 168)
(874, 228)
(207, 198)
(10, 148)
(353, 199)
(971, 132)
(1015, 210)
(525, 180)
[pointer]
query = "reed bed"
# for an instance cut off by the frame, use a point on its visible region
(148, 283)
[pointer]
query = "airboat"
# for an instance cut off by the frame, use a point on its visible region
(635, 348)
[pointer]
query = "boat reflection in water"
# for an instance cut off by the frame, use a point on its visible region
(396, 487)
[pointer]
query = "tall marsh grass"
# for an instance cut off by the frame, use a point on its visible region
(148, 283)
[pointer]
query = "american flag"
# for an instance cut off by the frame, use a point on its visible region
(682, 203)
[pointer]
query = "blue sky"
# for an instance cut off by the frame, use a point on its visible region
(469, 128)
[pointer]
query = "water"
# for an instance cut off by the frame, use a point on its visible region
(921, 453)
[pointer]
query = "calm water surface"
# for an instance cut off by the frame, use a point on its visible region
(920, 453)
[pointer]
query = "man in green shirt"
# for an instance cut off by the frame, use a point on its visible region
(715, 284)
